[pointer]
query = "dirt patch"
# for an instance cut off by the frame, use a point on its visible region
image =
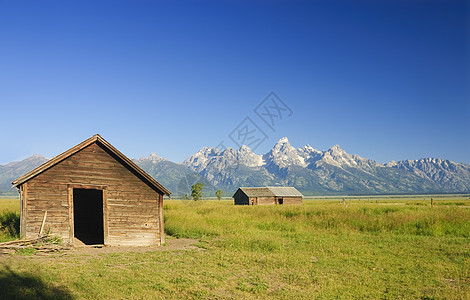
(171, 244)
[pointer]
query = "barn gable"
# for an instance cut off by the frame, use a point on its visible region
(108, 148)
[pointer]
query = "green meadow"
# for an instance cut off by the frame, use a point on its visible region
(368, 248)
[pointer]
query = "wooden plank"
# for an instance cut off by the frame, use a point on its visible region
(70, 215)
(105, 216)
(24, 215)
(43, 223)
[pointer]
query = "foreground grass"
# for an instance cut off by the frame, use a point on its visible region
(393, 249)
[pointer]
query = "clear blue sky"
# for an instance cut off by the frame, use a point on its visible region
(387, 80)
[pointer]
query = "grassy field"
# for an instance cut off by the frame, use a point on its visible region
(386, 248)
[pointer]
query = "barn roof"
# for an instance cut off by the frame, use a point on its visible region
(271, 191)
(284, 191)
(257, 192)
(98, 139)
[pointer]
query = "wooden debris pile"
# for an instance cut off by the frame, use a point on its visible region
(42, 244)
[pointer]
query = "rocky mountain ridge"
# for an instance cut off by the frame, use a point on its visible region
(15, 169)
(312, 171)
(330, 171)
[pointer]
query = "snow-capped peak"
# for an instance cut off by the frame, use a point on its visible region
(336, 150)
(246, 157)
(308, 150)
(309, 154)
(283, 155)
(200, 159)
(337, 156)
(244, 149)
(283, 145)
(153, 157)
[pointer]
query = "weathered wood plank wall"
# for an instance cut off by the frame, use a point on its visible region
(292, 200)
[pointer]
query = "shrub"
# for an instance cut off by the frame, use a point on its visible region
(10, 223)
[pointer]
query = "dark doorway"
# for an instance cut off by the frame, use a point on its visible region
(88, 216)
(280, 200)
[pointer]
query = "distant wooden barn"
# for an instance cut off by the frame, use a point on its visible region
(267, 195)
(94, 194)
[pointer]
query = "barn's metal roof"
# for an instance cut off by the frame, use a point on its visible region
(94, 139)
(284, 191)
(271, 191)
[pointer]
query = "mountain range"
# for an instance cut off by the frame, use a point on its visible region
(13, 170)
(311, 171)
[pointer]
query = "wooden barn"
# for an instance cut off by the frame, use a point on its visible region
(92, 194)
(267, 195)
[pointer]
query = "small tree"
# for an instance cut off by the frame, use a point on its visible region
(196, 191)
(218, 194)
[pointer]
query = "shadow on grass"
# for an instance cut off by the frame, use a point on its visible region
(14, 285)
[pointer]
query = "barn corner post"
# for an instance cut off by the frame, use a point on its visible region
(22, 192)
(160, 217)
(105, 216)
(70, 213)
